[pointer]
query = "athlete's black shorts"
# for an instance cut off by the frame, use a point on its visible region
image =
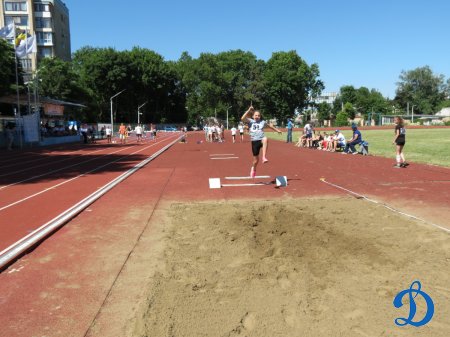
(400, 141)
(256, 147)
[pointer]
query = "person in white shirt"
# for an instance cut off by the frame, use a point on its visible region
(233, 134)
(339, 140)
(108, 134)
(138, 130)
(241, 131)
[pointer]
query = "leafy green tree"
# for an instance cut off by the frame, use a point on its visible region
(7, 67)
(58, 80)
(349, 110)
(323, 112)
(422, 88)
(289, 84)
(362, 99)
(342, 119)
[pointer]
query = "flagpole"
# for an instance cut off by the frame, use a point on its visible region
(17, 88)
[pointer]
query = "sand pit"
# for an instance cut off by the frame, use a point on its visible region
(326, 267)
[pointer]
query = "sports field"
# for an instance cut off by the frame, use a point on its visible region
(429, 146)
(163, 254)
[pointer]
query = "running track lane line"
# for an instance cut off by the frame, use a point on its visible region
(15, 250)
(76, 164)
(385, 206)
(44, 164)
(69, 180)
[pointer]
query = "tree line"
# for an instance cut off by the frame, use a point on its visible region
(190, 89)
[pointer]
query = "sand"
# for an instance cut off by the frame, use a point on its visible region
(320, 267)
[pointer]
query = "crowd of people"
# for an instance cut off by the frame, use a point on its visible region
(330, 141)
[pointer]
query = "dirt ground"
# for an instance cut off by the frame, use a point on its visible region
(292, 268)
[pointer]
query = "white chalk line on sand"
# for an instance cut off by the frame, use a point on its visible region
(386, 206)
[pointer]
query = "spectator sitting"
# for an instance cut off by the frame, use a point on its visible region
(317, 140)
(356, 139)
(339, 140)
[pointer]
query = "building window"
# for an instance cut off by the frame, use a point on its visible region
(26, 64)
(18, 20)
(44, 37)
(16, 6)
(45, 52)
(43, 22)
(41, 8)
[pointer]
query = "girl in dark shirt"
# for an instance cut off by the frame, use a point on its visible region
(399, 141)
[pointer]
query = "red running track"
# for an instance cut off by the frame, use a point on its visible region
(36, 186)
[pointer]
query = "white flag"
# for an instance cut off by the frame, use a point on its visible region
(7, 32)
(26, 46)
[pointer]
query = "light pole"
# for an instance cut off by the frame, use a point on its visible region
(227, 114)
(139, 113)
(112, 118)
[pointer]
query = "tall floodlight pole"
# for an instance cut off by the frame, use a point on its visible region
(227, 114)
(112, 118)
(139, 113)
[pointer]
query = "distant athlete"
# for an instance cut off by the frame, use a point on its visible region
(259, 140)
(399, 141)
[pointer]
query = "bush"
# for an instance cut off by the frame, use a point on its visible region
(341, 119)
(447, 123)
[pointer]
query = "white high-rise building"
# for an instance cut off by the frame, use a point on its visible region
(48, 20)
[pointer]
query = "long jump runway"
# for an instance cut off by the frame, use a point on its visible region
(163, 247)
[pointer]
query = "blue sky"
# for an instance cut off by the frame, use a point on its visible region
(354, 42)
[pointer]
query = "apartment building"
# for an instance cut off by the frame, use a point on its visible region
(47, 19)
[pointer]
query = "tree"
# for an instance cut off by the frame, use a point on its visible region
(323, 112)
(341, 119)
(362, 100)
(421, 88)
(289, 84)
(58, 80)
(7, 67)
(349, 110)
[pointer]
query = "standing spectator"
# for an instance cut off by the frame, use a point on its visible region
(84, 133)
(241, 131)
(102, 132)
(308, 133)
(138, 130)
(108, 132)
(356, 139)
(289, 131)
(206, 128)
(10, 128)
(233, 134)
(123, 133)
(399, 141)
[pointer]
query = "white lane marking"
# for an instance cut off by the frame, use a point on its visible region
(66, 167)
(72, 179)
(244, 178)
(28, 241)
(45, 164)
(244, 185)
(224, 158)
(386, 206)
